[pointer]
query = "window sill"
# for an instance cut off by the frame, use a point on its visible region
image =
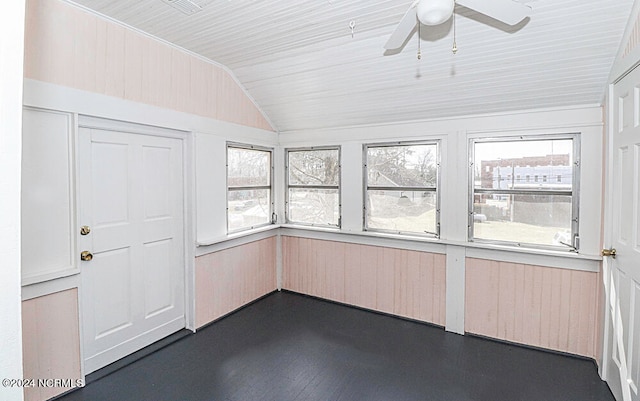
(533, 251)
(325, 229)
(505, 253)
(236, 235)
(400, 241)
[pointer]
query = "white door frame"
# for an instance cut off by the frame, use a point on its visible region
(607, 333)
(188, 168)
(608, 229)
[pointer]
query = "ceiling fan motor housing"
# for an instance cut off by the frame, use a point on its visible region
(434, 12)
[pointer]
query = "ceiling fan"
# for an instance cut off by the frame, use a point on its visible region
(436, 12)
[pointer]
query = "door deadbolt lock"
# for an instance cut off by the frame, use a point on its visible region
(86, 256)
(85, 230)
(609, 252)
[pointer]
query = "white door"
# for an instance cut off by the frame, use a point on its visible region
(622, 273)
(131, 200)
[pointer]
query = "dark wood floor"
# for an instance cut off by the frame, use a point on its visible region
(290, 347)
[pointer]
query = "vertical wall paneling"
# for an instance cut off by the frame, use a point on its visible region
(600, 319)
(136, 76)
(101, 56)
(68, 46)
(180, 78)
(115, 61)
(231, 278)
(47, 195)
(401, 282)
(198, 93)
(279, 262)
(51, 342)
(85, 71)
(539, 306)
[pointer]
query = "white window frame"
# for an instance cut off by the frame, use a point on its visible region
(244, 146)
(436, 189)
(300, 186)
(574, 246)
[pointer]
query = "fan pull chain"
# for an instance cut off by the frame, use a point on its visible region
(454, 49)
(419, 51)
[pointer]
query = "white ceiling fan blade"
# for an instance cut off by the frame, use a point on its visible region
(403, 29)
(507, 11)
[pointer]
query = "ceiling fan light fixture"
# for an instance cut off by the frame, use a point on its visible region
(434, 12)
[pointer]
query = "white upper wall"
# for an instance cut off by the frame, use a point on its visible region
(11, 64)
(454, 134)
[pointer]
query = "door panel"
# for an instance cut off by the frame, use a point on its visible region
(111, 293)
(157, 277)
(625, 171)
(111, 196)
(131, 196)
(157, 199)
(622, 273)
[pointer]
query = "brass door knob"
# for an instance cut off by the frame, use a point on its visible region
(86, 256)
(609, 252)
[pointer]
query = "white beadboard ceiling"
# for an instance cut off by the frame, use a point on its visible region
(300, 63)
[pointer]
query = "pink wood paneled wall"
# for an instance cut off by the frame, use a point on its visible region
(229, 279)
(67, 46)
(599, 328)
(401, 282)
(50, 341)
(533, 305)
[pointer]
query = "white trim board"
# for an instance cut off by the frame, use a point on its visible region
(455, 291)
(45, 95)
(541, 120)
(50, 287)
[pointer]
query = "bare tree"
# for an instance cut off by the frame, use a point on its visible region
(313, 178)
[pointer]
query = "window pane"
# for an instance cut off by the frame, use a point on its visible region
(314, 206)
(248, 167)
(532, 219)
(248, 208)
(524, 165)
(402, 166)
(402, 211)
(314, 167)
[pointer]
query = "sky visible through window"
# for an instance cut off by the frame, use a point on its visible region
(518, 149)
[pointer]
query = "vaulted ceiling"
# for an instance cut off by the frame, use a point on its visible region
(299, 60)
